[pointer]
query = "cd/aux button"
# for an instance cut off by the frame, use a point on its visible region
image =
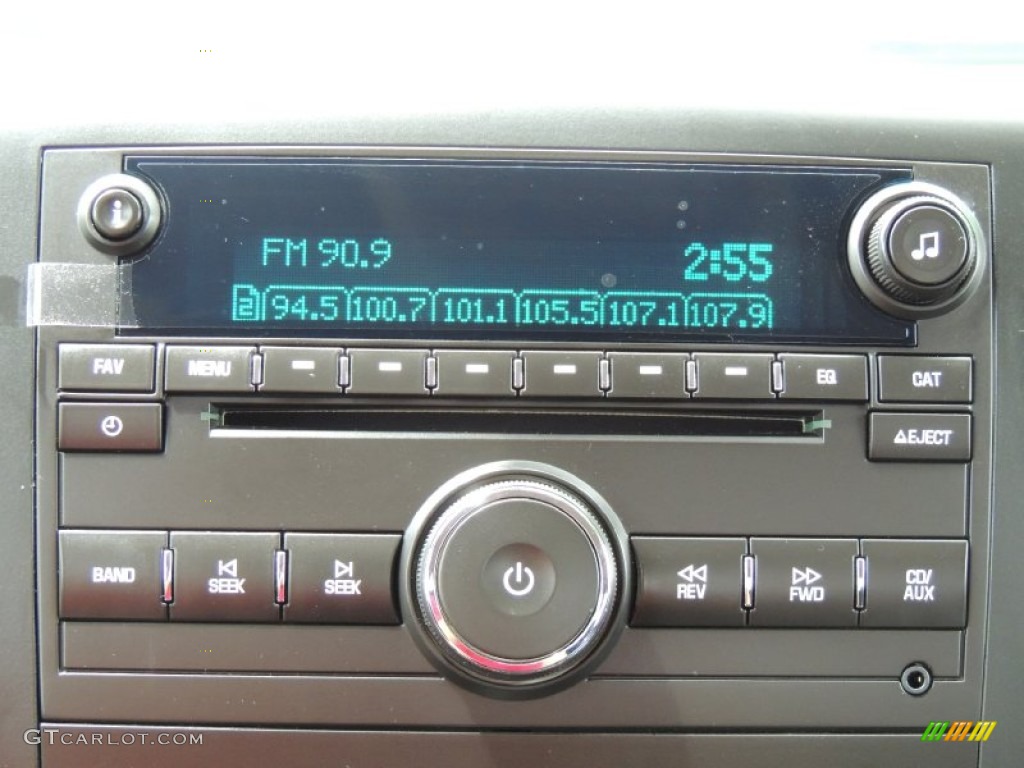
(915, 583)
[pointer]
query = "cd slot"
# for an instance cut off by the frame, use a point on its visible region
(560, 422)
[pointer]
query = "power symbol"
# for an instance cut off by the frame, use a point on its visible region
(523, 578)
(112, 426)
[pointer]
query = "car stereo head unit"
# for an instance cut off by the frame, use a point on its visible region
(512, 439)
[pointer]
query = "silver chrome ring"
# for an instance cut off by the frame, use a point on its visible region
(461, 511)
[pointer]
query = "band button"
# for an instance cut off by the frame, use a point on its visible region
(111, 575)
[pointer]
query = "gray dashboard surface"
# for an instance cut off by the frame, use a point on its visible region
(218, 87)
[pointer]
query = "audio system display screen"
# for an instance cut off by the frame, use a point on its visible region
(505, 250)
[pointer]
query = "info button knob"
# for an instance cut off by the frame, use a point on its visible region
(517, 583)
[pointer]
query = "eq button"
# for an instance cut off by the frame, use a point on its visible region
(825, 377)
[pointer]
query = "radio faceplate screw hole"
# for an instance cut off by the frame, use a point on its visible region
(916, 679)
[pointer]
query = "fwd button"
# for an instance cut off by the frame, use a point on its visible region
(804, 583)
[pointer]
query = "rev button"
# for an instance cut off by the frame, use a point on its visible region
(684, 582)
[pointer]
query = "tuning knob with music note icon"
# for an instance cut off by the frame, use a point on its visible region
(914, 250)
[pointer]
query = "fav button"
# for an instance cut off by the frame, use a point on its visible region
(106, 367)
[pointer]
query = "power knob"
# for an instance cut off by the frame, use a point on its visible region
(119, 214)
(517, 577)
(915, 250)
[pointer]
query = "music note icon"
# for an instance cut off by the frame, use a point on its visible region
(928, 247)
